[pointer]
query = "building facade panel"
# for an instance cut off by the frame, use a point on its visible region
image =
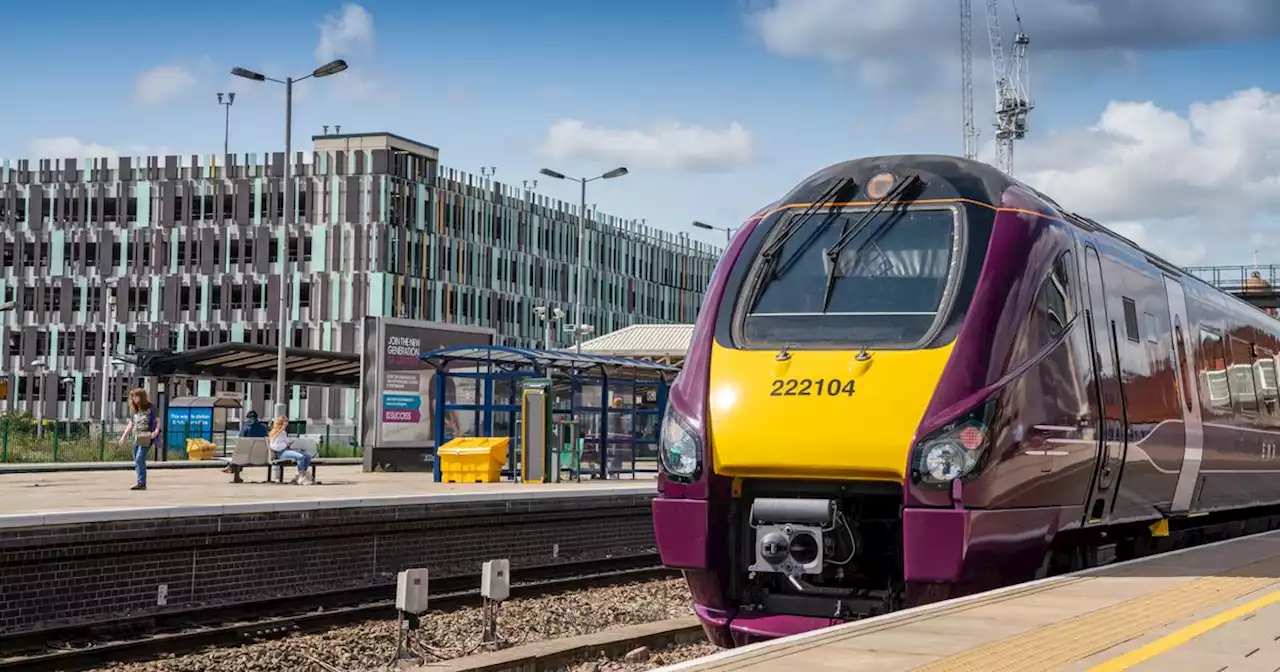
(191, 247)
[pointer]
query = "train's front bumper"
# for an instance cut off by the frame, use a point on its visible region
(935, 542)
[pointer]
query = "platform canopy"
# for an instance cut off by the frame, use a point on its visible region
(665, 343)
(516, 358)
(253, 362)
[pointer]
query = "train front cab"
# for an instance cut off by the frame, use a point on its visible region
(818, 371)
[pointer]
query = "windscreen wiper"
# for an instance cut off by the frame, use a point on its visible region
(848, 235)
(793, 225)
(769, 256)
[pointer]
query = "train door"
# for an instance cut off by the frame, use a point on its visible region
(1184, 353)
(1110, 432)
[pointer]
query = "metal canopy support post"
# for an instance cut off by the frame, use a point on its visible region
(439, 412)
(603, 441)
(162, 418)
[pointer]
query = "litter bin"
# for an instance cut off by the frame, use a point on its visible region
(473, 459)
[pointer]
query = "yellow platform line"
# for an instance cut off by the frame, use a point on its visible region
(821, 638)
(1051, 647)
(1182, 636)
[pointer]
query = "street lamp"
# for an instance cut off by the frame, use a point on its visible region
(226, 126)
(7, 306)
(728, 230)
(582, 239)
(330, 68)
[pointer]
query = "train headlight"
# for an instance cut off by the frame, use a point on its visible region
(679, 448)
(950, 454)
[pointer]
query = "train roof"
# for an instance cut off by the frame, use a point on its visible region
(958, 177)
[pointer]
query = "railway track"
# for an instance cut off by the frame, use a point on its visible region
(80, 648)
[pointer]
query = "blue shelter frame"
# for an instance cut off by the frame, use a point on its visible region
(623, 420)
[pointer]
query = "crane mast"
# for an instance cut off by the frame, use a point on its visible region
(1012, 100)
(966, 77)
(1012, 81)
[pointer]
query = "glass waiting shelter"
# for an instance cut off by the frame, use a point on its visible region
(606, 412)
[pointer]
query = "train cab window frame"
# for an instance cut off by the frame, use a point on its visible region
(786, 307)
(1131, 331)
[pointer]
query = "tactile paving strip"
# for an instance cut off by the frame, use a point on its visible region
(888, 623)
(1051, 647)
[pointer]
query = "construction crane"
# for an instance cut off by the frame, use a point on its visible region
(1013, 103)
(966, 78)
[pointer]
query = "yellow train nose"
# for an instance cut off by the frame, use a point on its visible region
(819, 414)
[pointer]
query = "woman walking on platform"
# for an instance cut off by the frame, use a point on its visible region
(145, 428)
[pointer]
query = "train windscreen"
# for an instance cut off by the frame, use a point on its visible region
(883, 287)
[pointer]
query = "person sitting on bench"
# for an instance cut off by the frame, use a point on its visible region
(252, 428)
(281, 444)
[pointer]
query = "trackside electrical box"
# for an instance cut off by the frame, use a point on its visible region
(495, 580)
(411, 591)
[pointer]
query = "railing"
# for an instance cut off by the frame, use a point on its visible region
(21, 443)
(1240, 279)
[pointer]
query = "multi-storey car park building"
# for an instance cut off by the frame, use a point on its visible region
(190, 248)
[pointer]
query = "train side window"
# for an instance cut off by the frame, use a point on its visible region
(1264, 371)
(1153, 328)
(1130, 319)
(1214, 385)
(1056, 300)
(1241, 376)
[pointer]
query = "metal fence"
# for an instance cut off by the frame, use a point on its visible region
(22, 442)
(1239, 279)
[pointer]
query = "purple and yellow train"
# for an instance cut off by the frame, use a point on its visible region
(914, 377)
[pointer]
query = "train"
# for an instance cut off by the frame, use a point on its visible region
(914, 377)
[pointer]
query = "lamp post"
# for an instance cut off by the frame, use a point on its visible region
(4, 383)
(728, 230)
(226, 124)
(582, 240)
(38, 367)
(107, 354)
(330, 68)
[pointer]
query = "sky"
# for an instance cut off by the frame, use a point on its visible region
(1158, 118)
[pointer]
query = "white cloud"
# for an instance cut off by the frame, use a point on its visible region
(162, 83)
(1191, 186)
(68, 147)
(349, 34)
(906, 42)
(345, 33)
(665, 146)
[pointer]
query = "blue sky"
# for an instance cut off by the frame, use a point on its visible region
(716, 106)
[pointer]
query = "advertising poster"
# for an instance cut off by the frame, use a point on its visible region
(406, 386)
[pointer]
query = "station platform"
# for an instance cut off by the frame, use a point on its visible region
(1211, 608)
(81, 550)
(45, 497)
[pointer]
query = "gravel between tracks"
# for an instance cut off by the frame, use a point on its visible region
(665, 656)
(370, 646)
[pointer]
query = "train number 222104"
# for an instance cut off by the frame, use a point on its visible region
(811, 387)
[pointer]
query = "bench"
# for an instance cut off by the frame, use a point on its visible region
(256, 452)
